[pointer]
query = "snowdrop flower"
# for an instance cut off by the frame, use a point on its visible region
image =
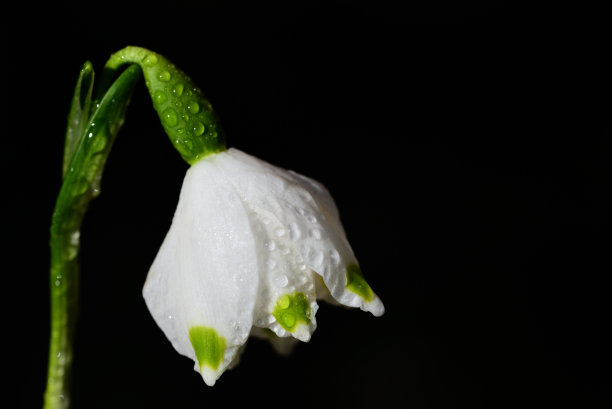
(250, 250)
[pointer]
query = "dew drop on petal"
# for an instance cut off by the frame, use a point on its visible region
(315, 234)
(334, 257)
(281, 280)
(316, 258)
(289, 320)
(284, 302)
(294, 231)
(270, 245)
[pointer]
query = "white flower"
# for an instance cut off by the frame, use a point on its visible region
(250, 249)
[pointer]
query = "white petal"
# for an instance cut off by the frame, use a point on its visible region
(287, 299)
(308, 213)
(205, 274)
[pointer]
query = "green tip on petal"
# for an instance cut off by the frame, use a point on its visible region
(357, 284)
(208, 345)
(292, 310)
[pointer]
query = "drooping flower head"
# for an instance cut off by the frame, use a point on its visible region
(250, 250)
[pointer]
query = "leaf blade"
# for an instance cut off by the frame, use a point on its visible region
(79, 113)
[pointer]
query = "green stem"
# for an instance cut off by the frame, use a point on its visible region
(86, 158)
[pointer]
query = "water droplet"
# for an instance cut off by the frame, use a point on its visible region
(75, 238)
(178, 89)
(159, 97)
(305, 196)
(150, 60)
(284, 301)
(185, 117)
(270, 245)
(335, 257)
(164, 76)
(281, 280)
(170, 117)
(280, 232)
(311, 219)
(82, 186)
(181, 130)
(315, 234)
(90, 135)
(188, 144)
(198, 128)
(178, 104)
(193, 107)
(289, 320)
(294, 231)
(316, 258)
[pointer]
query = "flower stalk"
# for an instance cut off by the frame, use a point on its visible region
(88, 142)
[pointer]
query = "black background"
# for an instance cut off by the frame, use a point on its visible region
(468, 147)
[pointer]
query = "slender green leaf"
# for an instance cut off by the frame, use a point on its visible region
(79, 112)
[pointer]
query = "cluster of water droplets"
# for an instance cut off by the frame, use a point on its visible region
(186, 114)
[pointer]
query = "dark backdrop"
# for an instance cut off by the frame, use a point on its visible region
(468, 147)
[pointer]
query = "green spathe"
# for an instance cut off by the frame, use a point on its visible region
(357, 284)
(208, 345)
(185, 113)
(292, 310)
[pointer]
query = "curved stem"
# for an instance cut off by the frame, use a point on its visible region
(80, 185)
